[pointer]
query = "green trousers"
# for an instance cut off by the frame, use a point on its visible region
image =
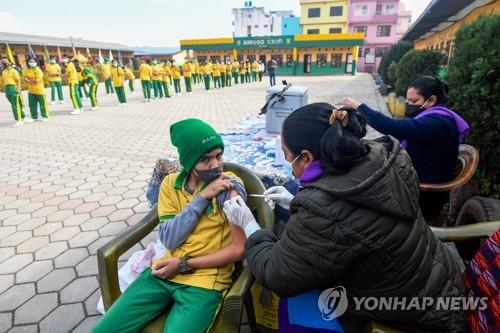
(223, 79)
(158, 88)
(131, 85)
(56, 86)
(242, 78)
(228, 79)
(206, 79)
(194, 78)
(217, 82)
(120, 93)
(193, 309)
(236, 75)
(187, 82)
(81, 86)
(93, 95)
(109, 86)
(146, 88)
(254, 76)
(165, 88)
(15, 99)
(247, 77)
(177, 86)
(75, 97)
(36, 100)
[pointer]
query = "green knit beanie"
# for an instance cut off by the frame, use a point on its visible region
(193, 138)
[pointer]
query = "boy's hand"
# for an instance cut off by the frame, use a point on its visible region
(166, 269)
(216, 186)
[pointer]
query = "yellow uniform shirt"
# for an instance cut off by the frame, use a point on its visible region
(186, 70)
(80, 76)
(243, 69)
(222, 68)
(165, 72)
(10, 77)
(236, 66)
(255, 66)
(210, 235)
(129, 75)
(205, 70)
(157, 72)
(71, 73)
(35, 73)
(229, 68)
(216, 69)
(145, 72)
(117, 76)
(176, 72)
(54, 72)
(106, 71)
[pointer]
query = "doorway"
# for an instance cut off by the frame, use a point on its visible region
(307, 63)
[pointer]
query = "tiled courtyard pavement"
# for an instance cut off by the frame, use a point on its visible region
(70, 185)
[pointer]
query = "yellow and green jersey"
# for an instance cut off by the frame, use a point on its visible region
(54, 72)
(129, 75)
(229, 68)
(176, 72)
(10, 77)
(71, 73)
(106, 71)
(236, 66)
(186, 70)
(145, 72)
(157, 72)
(165, 72)
(89, 77)
(216, 70)
(117, 76)
(35, 74)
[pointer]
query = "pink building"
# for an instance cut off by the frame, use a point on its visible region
(404, 20)
(378, 19)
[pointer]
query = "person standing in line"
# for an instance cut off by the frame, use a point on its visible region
(176, 76)
(33, 76)
(129, 75)
(255, 70)
(243, 72)
(223, 74)
(118, 81)
(54, 74)
(93, 83)
(229, 70)
(11, 81)
(157, 78)
(236, 70)
(216, 73)
(165, 74)
(72, 77)
(262, 69)
(272, 65)
(186, 72)
(106, 75)
(169, 64)
(145, 73)
(206, 76)
(248, 73)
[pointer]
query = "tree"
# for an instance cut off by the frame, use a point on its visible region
(474, 83)
(394, 54)
(414, 64)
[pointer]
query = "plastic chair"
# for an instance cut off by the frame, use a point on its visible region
(469, 159)
(228, 318)
(452, 234)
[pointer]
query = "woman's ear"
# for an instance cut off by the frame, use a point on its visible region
(307, 156)
(431, 101)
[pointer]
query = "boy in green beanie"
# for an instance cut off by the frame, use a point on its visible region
(201, 245)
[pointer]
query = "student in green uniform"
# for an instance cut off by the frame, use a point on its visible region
(157, 79)
(229, 70)
(202, 245)
(106, 74)
(130, 77)
(118, 78)
(176, 75)
(92, 81)
(82, 89)
(11, 81)
(145, 73)
(72, 76)
(54, 73)
(33, 76)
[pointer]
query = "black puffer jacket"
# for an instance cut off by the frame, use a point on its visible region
(362, 230)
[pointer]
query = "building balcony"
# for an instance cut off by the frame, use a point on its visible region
(374, 19)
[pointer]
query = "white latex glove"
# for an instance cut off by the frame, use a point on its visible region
(238, 213)
(278, 195)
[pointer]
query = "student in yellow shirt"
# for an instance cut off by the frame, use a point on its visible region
(11, 81)
(176, 76)
(186, 72)
(157, 79)
(216, 74)
(145, 73)
(169, 65)
(255, 70)
(106, 75)
(222, 74)
(93, 83)
(201, 243)
(165, 74)
(243, 72)
(81, 83)
(130, 77)
(206, 76)
(54, 74)
(33, 76)
(236, 71)
(72, 77)
(194, 71)
(118, 78)
(248, 71)
(229, 70)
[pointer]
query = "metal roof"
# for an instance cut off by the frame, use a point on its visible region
(436, 13)
(15, 38)
(146, 50)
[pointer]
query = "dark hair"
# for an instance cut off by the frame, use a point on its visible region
(338, 148)
(430, 85)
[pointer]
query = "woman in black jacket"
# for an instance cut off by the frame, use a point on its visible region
(355, 224)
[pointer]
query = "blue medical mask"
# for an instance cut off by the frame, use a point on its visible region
(288, 168)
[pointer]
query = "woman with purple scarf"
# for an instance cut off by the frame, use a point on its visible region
(355, 232)
(431, 134)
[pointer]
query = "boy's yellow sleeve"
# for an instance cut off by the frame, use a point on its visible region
(168, 206)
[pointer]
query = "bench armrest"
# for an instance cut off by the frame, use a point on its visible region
(466, 232)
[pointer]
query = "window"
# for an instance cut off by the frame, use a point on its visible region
(379, 9)
(312, 31)
(314, 12)
(283, 25)
(278, 58)
(215, 58)
(336, 11)
(249, 31)
(321, 60)
(360, 52)
(367, 51)
(361, 28)
(361, 10)
(390, 9)
(255, 26)
(383, 30)
(336, 59)
(289, 60)
(265, 25)
(380, 51)
(202, 59)
(335, 30)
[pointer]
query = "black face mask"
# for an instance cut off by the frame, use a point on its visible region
(206, 176)
(413, 110)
